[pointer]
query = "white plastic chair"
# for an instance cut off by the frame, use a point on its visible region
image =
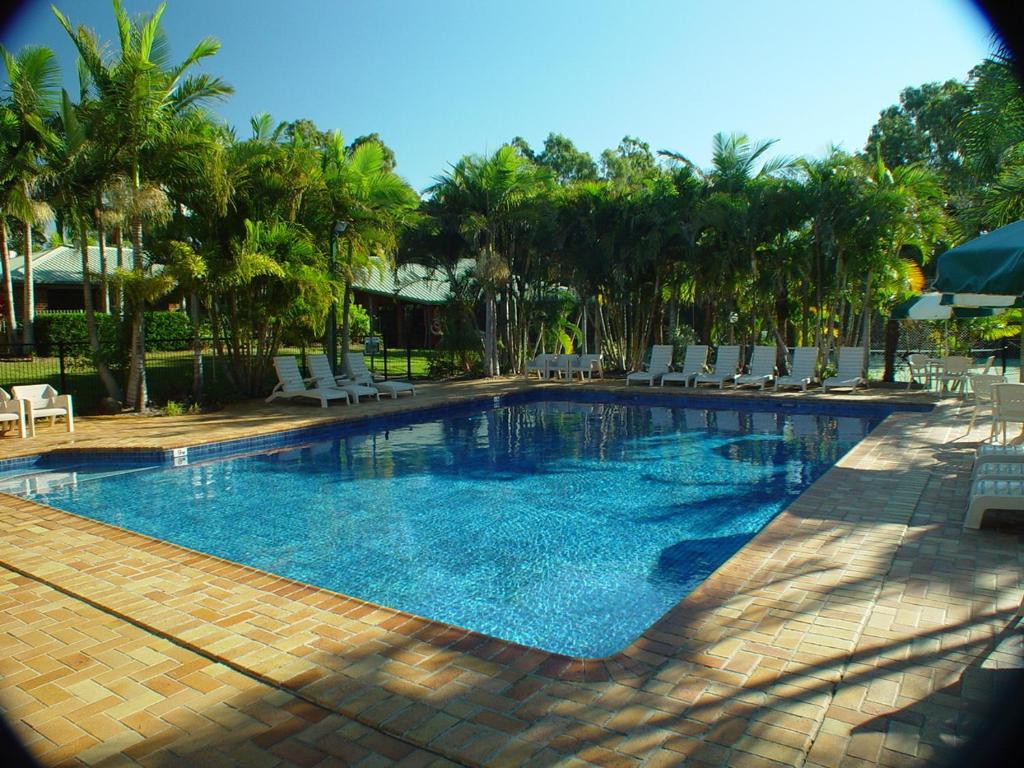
(954, 373)
(727, 364)
(803, 369)
(981, 387)
(761, 368)
(290, 384)
(44, 402)
(355, 367)
(920, 370)
(1007, 406)
(660, 364)
(13, 410)
(850, 370)
(695, 362)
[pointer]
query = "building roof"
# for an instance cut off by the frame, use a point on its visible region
(410, 282)
(63, 265)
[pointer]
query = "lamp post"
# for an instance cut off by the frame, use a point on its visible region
(332, 316)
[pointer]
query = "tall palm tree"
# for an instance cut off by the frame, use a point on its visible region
(491, 197)
(144, 104)
(375, 204)
(33, 83)
(74, 177)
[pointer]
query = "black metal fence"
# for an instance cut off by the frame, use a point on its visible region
(70, 367)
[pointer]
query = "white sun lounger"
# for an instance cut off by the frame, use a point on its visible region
(803, 369)
(726, 364)
(13, 410)
(44, 402)
(541, 364)
(355, 367)
(586, 365)
(762, 368)
(998, 470)
(661, 362)
(321, 373)
(850, 370)
(290, 384)
(695, 362)
(993, 494)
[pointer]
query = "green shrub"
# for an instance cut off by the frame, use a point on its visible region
(51, 329)
(359, 322)
(168, 331)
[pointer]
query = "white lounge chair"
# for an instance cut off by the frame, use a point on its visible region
(660, 364)
(726, 366)
(541, 364)
(803, 369)
(993, 494)
(586, 366)
(321, 373)
(850, 370)
(44, 402)
(695, 362)
(355, 367)
(12, 410)
(290, 384)
(761, 368)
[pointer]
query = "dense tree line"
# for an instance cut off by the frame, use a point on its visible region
(544, 248)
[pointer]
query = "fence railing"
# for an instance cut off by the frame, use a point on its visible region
(71, 368)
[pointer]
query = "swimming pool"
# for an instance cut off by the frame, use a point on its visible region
(569, 525)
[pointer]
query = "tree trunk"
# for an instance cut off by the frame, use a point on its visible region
(109, 382)
(346, 323)
(119, 246)
(28, 311)
(866, 335)
(197, 347)
(5, 265)
(490, 336)
(137, 394)
(892, 340)
(101, 235)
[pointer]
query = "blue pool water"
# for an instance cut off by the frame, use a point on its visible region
(567, 526)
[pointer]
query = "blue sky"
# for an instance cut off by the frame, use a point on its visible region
(441, 79)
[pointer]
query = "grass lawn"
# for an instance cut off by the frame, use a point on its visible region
(169, 374)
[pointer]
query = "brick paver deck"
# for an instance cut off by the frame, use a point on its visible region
(862, 626)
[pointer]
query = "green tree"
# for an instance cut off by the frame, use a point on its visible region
(493, 200)
(628, 164)
(144, 106)
(566, 162)
(33, 90)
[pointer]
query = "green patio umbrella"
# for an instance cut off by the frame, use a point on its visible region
(929, 306)
(987, 271)
(988, 266)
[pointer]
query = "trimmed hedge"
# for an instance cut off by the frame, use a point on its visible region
(165, 331)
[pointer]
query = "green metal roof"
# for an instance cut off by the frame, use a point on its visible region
(410, 282)
(63, 265)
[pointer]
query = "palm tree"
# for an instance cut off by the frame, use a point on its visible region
(33, 82)
(491, 198)
(72, 181)
(144, 104)
(373, 202)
